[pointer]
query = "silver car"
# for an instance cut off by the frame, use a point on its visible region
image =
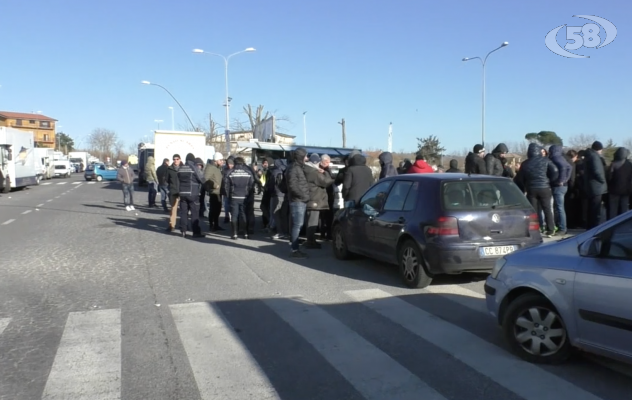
(576, 292)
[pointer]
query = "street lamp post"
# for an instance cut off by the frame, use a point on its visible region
(172, 120)
(158, 121)
(227, 105)
(304, 129)
(484, 62)
(174, 99)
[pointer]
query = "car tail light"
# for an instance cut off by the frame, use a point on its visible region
(534, 223)
(446, 226)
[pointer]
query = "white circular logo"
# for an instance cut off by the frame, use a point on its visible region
(496, 218)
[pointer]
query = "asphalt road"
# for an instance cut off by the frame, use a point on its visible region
(100, 303)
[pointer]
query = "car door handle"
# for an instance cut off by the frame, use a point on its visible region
(401, 220)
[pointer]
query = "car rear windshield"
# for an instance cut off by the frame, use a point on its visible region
(477, 195)
(60, 167)
(90, 168)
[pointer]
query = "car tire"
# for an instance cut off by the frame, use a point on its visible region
(411, 266)
(341, 251)
(520, 336)
(38, 179)
(99, 178)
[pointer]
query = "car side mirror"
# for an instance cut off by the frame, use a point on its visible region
(591, 247)
(350, 204)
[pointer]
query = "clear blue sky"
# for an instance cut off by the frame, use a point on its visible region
(370, 62)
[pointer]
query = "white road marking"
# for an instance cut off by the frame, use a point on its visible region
(461, 295)
(91, 183)
(48, 201)
(4, 322)
(526, 380)
(57, 197)
(76, 183)
(39, 205)
(8, 222)
(26, 212)
(88, 360)
(62, 183)
(222, 366)
(46, 183)
(372, 372)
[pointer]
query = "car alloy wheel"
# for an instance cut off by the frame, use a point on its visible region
(535, 330)
(340, 245)
(99, 178)
(411, 268)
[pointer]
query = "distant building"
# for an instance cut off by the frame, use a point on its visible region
(43, 127)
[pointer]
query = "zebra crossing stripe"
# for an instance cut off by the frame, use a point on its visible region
(45, 183)
(4, 322)
(460, 295)
(62, 183)
(372, 372)
(222, 366)
(88, 360)
(526, 380)
(76, 183)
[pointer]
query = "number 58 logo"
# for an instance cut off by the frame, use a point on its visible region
(582, 36)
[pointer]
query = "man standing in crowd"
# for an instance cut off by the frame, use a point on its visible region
(264, 206)
(420, 166)
(493, 161)
(317, 182)
(239, 185)
(161, 174)
(174, 190)
(619, 183)
(560, 186)
(572, 202)
(327, 216)
(454, 167)
(278, 206)
(125, 175)
(595, 184)
(386, 164)
(190, 180)
(230, 164)
(152, 181)
(202, 209)
(474, 162)
(341, 173)
(298, 193)
(212, 185)
(358, 178)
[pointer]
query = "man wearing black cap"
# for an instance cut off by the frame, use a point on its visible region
(191, 179)
(475, 162)
(595, 184)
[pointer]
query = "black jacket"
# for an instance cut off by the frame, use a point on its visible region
(172, 180)
(341, 172)
(161, 172)
(537, 171)
(358, 179)
(475, 164)
(556, 154)
(297, 186)
(454, 167)
(386, 162)
(318, 183)
(594, 174)
(493, 165)
(620, 173)
(190, 179)
(275, 183)
(239, 182)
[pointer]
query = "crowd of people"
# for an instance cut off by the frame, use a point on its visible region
(568, 189)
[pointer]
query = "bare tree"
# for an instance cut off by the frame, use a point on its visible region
(582, 141)
(102, 142)
(256, 116)
(119, 152)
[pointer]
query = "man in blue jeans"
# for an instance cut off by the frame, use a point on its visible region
(560, 186)
(298, 195)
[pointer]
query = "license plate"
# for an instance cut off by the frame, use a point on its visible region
(496, 251)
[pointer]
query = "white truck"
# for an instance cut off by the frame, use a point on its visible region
(168, 143)
(17, 159)
(78, 158)
(44, 158)
(63, 168)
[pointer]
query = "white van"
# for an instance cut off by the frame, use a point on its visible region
(62, 168)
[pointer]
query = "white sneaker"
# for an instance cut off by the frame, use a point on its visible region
(132, 208)
(128, 208)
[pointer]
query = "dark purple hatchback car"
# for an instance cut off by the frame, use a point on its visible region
(430, 224)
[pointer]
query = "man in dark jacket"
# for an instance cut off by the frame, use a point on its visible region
(213, 184)
(560, 185)
(317, 182)
(239, 183)
(493, 163)
(341, 173)
(327, 216)
(474, 162)
(454, 167)
(386, 162)
(161, 173)
(230, 164)
(249, 202)
(190, 180)
(572, 204)
(619, 183)
(537, 174)
(298, 196)
(277, 188)
(358, 179)
(264, 206)
(174, 190)
(595, 184)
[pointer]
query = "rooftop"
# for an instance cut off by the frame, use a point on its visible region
(18, 115)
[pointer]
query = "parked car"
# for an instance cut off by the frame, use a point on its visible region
(573, 293)
(100, 172)
(431, 224)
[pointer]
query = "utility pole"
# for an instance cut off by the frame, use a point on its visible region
(344, 133)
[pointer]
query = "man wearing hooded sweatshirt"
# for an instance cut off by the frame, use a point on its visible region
(474, 162)
(239, 184)
(619, 183)
(537, 173)
(386, 162)
(341, 173)
(125, 175)
(595, 184)
(358, 179)
(161, 174)
(276, 188)
(493, 163)
(318, 181)
(152, 180)
(174, 190)
(420, 166)
(212, 185)
(560, 185)
(190, 179)
(298, 195)
(454, 167)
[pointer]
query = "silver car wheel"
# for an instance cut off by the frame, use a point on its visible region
(540, 331)
(410, 264)
(340, 244)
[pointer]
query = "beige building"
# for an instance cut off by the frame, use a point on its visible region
(43, 127)
(244, 136)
